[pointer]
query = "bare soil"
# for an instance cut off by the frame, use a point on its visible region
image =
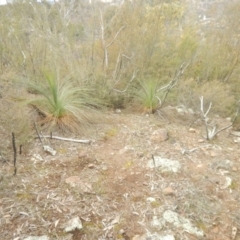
(113, 183)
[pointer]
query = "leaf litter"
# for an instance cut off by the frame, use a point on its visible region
(125, 196)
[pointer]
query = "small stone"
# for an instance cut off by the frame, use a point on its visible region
(118, 111)
(91, 166)
(159, 135)
(121, 231)
(190, 111)
(201, 140)
(151, 199)
(192, 130)
(104, 168)
(234, 169)
(48, 149)
(168, 191)
(215, 230)
(213, 154)
(138, 237)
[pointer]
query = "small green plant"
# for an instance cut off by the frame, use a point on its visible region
(63, 103)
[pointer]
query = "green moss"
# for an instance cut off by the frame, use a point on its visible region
(155, 204)
(234, 185)
(201, 225)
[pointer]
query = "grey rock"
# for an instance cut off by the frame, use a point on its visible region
(164, 164)
(180, 222)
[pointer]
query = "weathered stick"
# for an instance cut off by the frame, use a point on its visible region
(68, 139)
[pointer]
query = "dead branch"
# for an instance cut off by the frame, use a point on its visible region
(133, 76)
(104, 45)
(67, 139)
(115, 36)
(172, 83)
(118, 67)
(211, 131)
(46, 148)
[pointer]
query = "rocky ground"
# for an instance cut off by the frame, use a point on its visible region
(141, 177)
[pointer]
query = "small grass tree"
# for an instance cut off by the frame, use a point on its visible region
(63, 103)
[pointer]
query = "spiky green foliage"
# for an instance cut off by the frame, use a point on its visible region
(63, 103)
(146, 95)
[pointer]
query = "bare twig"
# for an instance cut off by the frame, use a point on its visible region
(35, 126)
(3, 158)
(14, 154)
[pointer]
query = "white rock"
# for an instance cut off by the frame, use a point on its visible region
(36, 157)
(151, 199)
(157, 223)
(44, 237)
(166, 237)
(73, 224)
(157, 236)
(181, 109)
(237, 140)
(164, 164)
(48, 149)
(227, 183)
(190, 111)
(181, 222)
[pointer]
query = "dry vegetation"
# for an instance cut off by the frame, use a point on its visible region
(67, 67)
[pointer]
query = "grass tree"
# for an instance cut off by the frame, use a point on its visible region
(146, 95)
(64, 103)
